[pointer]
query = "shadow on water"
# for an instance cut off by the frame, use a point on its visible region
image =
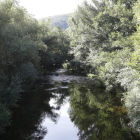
(98, 115)
(32, 109)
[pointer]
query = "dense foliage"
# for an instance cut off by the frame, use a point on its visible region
(105, 43)
(27, 48)
(104, 40)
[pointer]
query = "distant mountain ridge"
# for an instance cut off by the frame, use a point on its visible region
(60, 20)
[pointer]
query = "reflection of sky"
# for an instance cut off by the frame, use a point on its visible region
(64, 129)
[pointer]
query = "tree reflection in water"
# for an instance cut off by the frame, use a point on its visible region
(99, 115)
(28, 116)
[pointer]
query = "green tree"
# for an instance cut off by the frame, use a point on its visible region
(20, 43)
(105, 39)
(100, 28)
(57, 41)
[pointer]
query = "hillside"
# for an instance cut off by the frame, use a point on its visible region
(60, 20)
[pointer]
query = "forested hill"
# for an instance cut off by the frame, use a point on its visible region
(60, 20)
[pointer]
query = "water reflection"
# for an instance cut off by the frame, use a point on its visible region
(43, 114)
(28, 117)
(33, 116)
(99, 115)
(64, 130)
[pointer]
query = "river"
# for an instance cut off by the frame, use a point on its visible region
(69, 107)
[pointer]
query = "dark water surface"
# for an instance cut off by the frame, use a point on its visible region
(69, 107)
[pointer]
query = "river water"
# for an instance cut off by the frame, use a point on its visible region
(69, 107)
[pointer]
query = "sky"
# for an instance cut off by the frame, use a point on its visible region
(44, 8)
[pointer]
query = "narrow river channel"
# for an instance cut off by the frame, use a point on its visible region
(69, 107)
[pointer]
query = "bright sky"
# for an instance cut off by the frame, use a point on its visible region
(45, 8)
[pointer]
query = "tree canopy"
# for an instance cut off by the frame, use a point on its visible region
(27, 48)
(105, 42)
